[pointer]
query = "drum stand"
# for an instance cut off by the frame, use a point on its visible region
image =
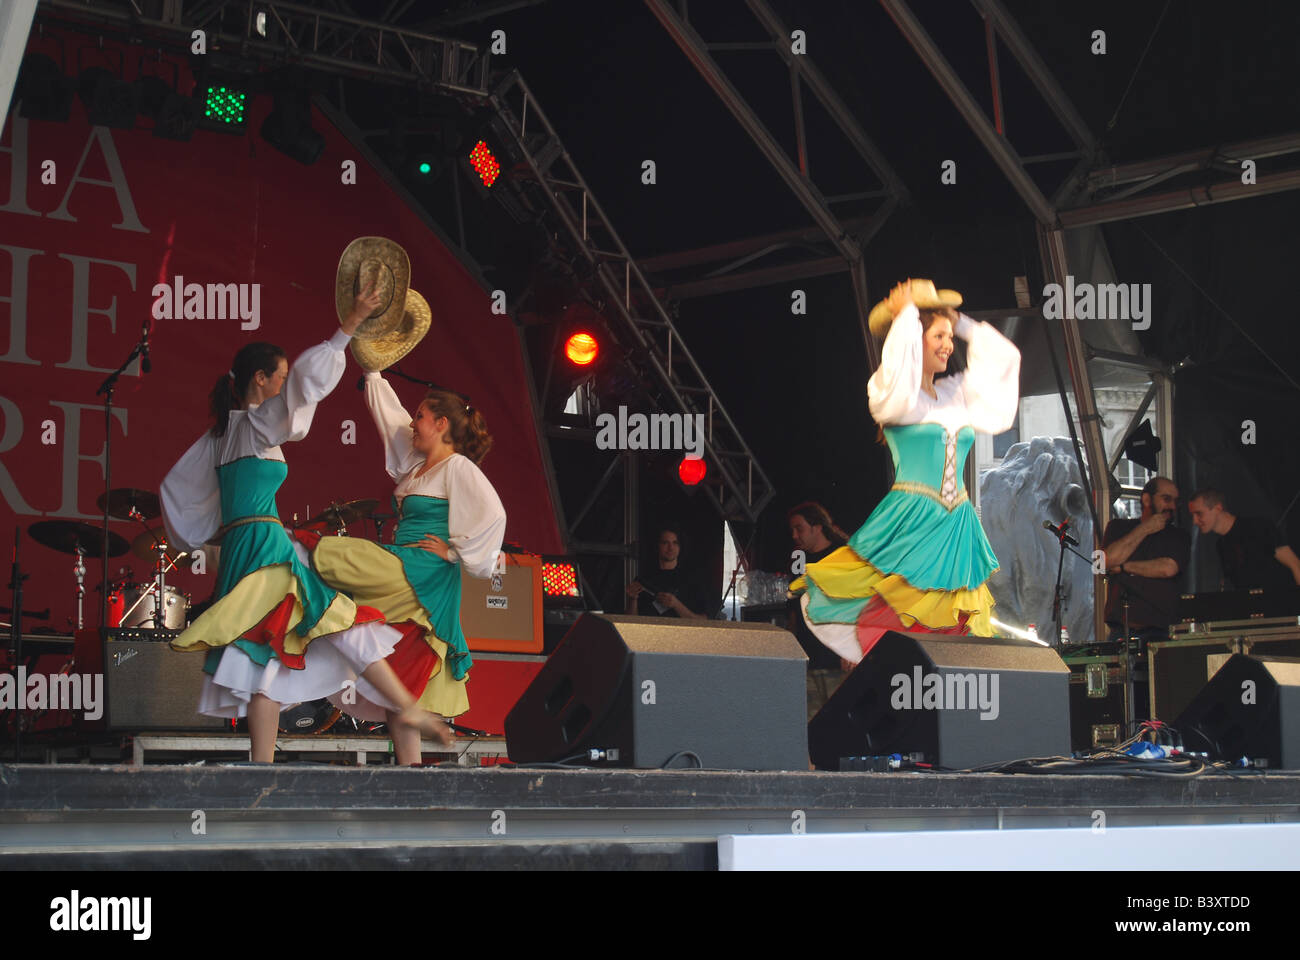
(79, 572)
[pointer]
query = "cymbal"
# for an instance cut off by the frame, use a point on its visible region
(67, 535)
(145, 546)
(340, 514)
(123, 499)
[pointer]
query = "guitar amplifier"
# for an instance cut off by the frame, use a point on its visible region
(503, 614)
(147, 684)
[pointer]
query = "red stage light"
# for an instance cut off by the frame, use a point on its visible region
(481, 160)
(581, 348)
(559, 580)
(692, 470)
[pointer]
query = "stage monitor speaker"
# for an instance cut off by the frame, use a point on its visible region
(1250, 708)
(147, 684)
(734, 694)
(961, 702)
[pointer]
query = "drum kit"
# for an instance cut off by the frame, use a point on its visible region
(153, 604)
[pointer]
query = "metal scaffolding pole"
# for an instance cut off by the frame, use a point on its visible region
(1180, 200)
(1056, 267)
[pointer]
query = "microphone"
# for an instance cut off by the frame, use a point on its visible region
(1060, 532)
(145, 365)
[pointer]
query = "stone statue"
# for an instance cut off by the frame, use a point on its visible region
(1038, 480)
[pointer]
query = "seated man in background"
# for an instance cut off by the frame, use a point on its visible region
(668, 591)
(1254, 554)
(1147, 559)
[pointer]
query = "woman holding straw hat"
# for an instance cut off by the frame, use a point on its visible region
(276, 635)
(450, 517)
(921, 561)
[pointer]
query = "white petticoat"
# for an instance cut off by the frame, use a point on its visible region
(332, 663)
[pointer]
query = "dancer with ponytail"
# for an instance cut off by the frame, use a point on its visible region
(450, 517)
(921, 561)
(275, 634)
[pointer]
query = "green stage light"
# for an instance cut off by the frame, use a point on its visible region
(225, 106)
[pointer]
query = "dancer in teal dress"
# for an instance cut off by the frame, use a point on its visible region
(921, 562)
(269, 605)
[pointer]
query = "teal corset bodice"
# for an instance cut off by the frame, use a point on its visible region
(927, 456)
(248, 487)
(435, 581)
(925, 529)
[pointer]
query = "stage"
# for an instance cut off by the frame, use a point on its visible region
(238, 816)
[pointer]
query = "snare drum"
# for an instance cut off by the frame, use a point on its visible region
(176, 607)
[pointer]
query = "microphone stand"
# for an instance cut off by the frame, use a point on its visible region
(106, 388)
(1058, 605)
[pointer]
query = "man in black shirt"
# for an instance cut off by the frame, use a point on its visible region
(1253, 551)
(668, 591)
(813, 532)
(1150, 556)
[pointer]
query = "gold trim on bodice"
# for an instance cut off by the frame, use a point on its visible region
(925, 490)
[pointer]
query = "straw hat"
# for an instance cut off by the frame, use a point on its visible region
(384, 351)
(924, 295)
(367, 260)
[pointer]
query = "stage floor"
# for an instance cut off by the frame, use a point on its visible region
(216, 816)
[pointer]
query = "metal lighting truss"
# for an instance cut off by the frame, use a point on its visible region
(639, 322)
(298, 34)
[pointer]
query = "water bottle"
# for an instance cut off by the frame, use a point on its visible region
(1065, 636)
(1033, 633)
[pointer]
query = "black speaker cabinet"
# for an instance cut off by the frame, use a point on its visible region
(734, 694)
(147, 685)
(959, 701)
(1250, 708)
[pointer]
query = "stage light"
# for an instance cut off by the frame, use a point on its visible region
(581, 349)
(174, 117)
(559, 580)
(288, 126)
(110, 102)
(482, 160)
(46, 94)
(692, 470)
(1143, 446)
(225, 108)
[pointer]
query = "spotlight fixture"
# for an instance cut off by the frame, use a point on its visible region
(692, 470)
(110, 102)
(484, 163)
(288, 126)
(582, 349)
(224, 107)
(46, 94)
(174, 117)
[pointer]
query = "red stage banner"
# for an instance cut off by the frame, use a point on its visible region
(91, 219)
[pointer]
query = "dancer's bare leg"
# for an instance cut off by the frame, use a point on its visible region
(410, 715)
(263, 724)
(406, 741)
